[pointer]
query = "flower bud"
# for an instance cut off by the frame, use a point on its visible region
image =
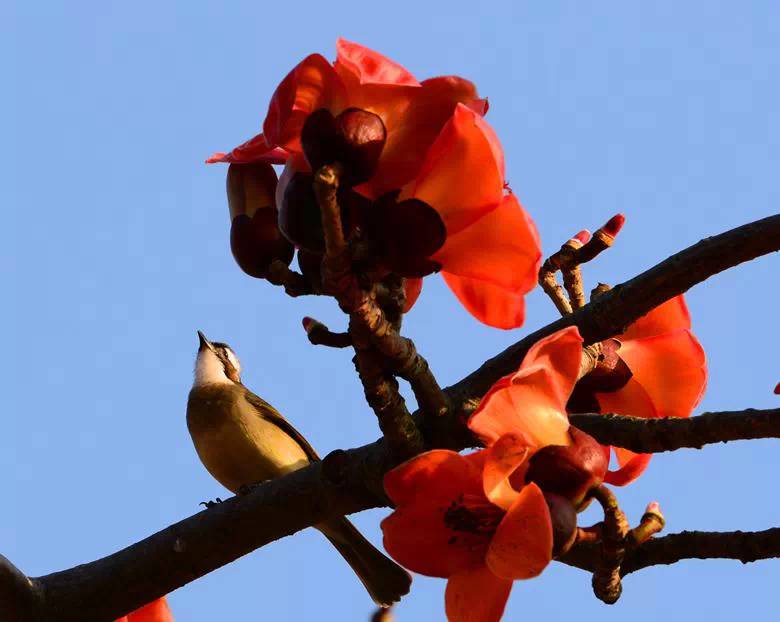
(299, 215)
(563, 516)
(255, 239)
(571, 471)
(310, 265)
(355, 138)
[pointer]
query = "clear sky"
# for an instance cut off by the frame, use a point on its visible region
(115, 250)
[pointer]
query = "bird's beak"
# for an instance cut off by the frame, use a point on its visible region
(204, 343)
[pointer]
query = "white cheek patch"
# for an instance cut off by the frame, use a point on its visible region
(209, 369)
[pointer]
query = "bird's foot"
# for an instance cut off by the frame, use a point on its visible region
(210, 504)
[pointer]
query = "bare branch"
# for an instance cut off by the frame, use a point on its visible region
(670, 433)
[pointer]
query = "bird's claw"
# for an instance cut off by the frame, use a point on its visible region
(210, 504)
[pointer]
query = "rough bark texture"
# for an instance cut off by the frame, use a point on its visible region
(350, 481)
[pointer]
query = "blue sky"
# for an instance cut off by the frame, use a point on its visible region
(115, 251)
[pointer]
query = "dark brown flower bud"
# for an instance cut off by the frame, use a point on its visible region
(299, 214)
(571, 471)
(564, 522)
(610, 374)
(310, 265)
(255, 239)
(355, 138)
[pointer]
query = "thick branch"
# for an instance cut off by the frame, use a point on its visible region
(747, 547)
(667, 434)
(198, 545)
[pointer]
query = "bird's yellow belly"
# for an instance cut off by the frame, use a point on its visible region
(240, 453)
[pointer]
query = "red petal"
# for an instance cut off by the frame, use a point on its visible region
(504, 458)
(631, 467)
(522, 545)
(476, 595)
(671, 368)
(423, 489)
(436, 475)
(670, 316)
(412, 133)
(254, 150)
(370, 67)
(412, 288)
(490, 304)
(156, 611)
(311, 85)
(501, 248)
(532, 401)
(462, 176)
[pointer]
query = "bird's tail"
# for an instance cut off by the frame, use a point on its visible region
(385, 580)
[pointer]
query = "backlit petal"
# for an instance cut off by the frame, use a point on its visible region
(632, 465)
(532, 401)
(508, 456)
(490, 304)
(434, 475)
(254, 150)
(462, 176)
(476, 595)
(371, 67)
(156, 611)
(670, 316)
(412, 289)
(501, 248)
(522, 545)
(671, 367)
(311, 85)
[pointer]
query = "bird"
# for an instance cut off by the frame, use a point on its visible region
(242, 440)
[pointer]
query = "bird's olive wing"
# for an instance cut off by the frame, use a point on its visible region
(269, 413)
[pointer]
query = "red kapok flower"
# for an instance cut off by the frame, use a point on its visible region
(450, 523)
(665, 376)
(490, 258)
(412, 112)
(156, 611)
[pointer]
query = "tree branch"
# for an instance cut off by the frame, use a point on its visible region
(670, 433)
(350, 481)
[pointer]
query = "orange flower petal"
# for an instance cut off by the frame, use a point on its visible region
(670, 316)
(425, 111)
(435, 475)
(532, 401)
(522, 545)
(490, 304)
(501, 248)
(311, 85)
(509, 454)
(370, 67)
(671, 368)
(476, 595)
(631, 467)
(156, 611)
(256, 149)
(466, 150)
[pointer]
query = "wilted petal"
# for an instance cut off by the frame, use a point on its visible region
(462, 176)
(670, 316)
(371, 67)
(522, 545)
(532, 401)
(254, 150)
(311, 85)
(501, 248)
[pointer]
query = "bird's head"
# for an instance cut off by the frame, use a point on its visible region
(216, 363)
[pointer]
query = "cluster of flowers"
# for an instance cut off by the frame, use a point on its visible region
(423, 182)
(485, 519)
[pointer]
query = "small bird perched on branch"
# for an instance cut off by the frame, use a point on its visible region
(242, 440)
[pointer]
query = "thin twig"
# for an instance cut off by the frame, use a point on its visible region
(606, 574)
